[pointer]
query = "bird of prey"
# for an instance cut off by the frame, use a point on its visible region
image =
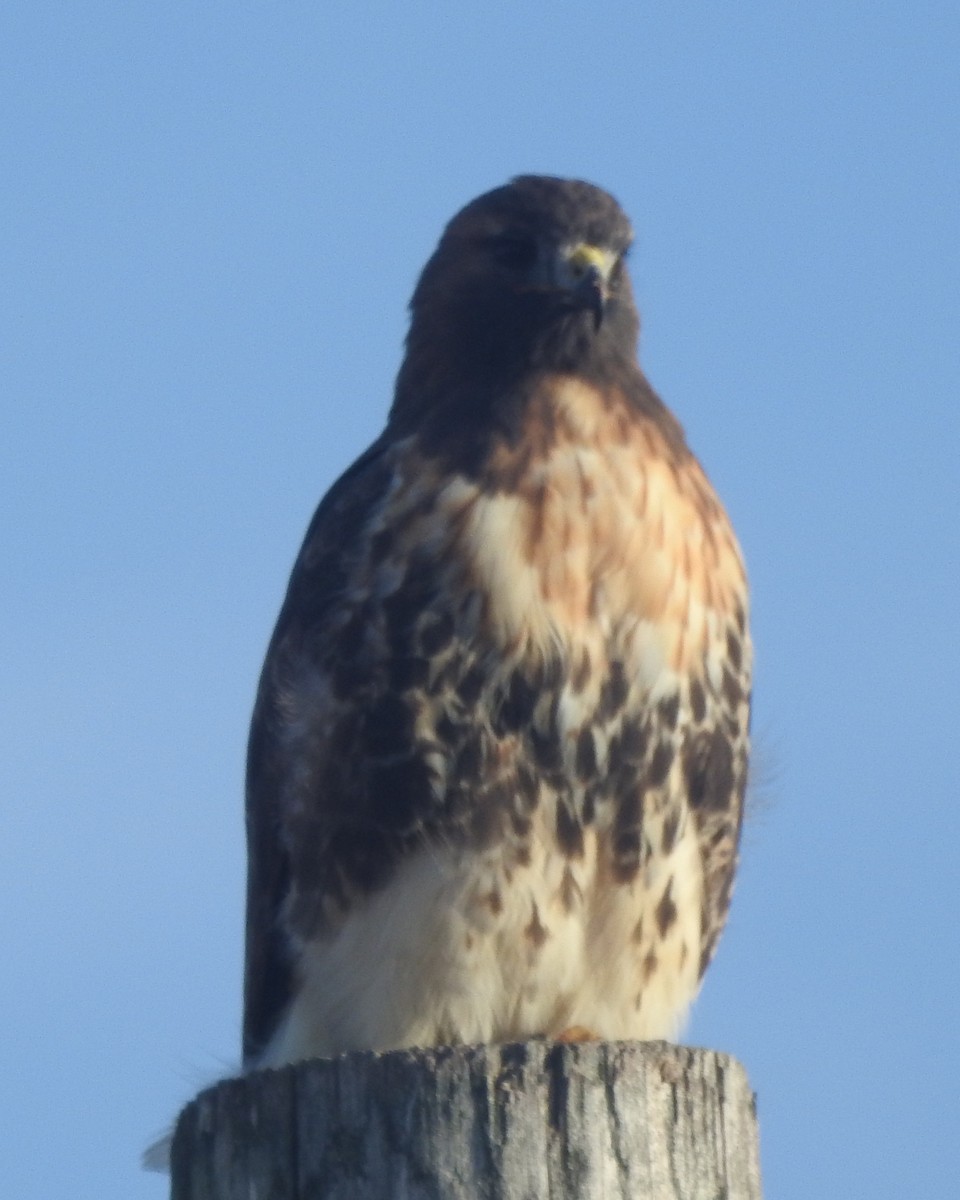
(498, 756)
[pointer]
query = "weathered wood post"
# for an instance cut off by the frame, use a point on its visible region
(532, 1121)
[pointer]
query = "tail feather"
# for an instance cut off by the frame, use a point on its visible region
(156, 1157)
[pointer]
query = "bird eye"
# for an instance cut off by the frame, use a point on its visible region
(515, 250)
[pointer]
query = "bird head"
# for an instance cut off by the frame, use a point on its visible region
(528, 277)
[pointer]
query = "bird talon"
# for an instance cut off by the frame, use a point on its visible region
(578, 1033)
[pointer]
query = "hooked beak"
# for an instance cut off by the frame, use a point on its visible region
(583, 271)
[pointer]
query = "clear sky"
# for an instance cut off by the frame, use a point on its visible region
(211, 219)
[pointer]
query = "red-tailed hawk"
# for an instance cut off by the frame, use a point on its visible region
(498, 756)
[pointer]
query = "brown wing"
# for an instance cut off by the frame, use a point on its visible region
(362, 742)
(287, 749)
(714, 756)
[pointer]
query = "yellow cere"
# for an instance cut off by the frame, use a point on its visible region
(584, 255)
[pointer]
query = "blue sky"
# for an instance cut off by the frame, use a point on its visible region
(211, 219)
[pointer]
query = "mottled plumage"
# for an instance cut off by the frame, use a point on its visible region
(498, 755)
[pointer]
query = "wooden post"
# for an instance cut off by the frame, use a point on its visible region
(532, 1121)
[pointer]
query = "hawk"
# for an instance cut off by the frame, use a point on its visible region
(499, 749)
